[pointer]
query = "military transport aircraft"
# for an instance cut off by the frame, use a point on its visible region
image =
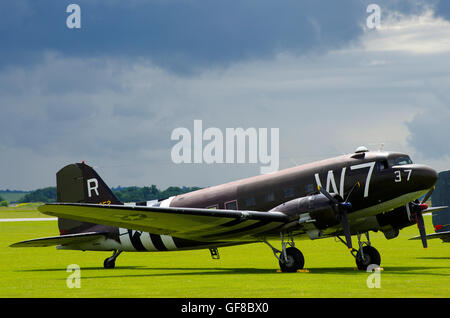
(343, 196)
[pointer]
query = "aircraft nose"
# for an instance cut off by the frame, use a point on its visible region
(426, 176)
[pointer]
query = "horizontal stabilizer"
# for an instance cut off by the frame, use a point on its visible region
(60, 240)
(445, 236)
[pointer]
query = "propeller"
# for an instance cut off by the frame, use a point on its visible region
(428, 195)
(341, 207)
(418, 212)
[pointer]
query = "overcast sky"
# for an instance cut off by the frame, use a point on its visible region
(112, 92)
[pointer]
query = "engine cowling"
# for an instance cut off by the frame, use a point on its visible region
(317, 206)
(392, 222)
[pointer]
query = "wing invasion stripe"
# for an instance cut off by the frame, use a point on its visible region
(241, 230)
(168, 242)
(157, 241)
(147, 242)
(125, 239)
(135, 238)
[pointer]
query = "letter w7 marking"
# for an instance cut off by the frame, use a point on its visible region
(369, 165)
(331, 183)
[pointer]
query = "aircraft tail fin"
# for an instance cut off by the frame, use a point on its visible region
(79, 183)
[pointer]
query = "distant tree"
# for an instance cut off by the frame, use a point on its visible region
(40, 195)
(140, 194)
(1, 198)
(4, 203)
(124, 194)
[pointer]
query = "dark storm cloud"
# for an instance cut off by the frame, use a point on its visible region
(443, 9)
(183, 35)
(112, 92)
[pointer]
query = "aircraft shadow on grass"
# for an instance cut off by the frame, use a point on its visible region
(195, 271)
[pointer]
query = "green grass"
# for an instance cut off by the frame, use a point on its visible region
(242, 271)
(23, 210)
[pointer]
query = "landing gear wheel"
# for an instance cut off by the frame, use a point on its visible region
(371, 256)
(295, 260)
(109, 263)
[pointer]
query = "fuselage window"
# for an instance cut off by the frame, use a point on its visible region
(288, 192)
(309, 188)
(269, 197)
(382, 165)
(250, 202)
(232, 205)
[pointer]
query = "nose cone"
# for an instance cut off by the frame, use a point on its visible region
(425, 177)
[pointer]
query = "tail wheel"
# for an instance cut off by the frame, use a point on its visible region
(371, 256)
(293, 262)
(109, 263)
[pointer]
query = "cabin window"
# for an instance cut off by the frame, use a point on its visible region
(231, 205)
(309, 188)
(269, 197)
(289, 192)
(382, 165)
(250, 202)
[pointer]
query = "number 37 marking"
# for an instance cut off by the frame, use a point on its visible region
(398, 175)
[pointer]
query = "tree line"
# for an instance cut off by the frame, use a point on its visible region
(124, 194)
(3, 202)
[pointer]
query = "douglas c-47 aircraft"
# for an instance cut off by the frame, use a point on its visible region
(339, 197)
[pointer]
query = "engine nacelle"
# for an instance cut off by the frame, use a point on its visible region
(318, 207)
(391, 222)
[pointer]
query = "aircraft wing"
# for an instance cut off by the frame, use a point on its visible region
(189, 223)
(435, 209)
(59, 240)
(445, 236)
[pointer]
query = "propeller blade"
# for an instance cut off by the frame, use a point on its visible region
(327, 194)
(341, 209)
(357, 184)
(346, 228)
(428, 195)
(421, 226)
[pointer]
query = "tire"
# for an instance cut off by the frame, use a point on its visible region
(295, 261)
(108, 263)
(371, 256)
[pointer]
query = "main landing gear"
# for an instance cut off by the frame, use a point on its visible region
(110, 262)
(290, 258)
(366, 255)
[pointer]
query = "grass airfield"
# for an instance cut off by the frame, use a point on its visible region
(247, 271)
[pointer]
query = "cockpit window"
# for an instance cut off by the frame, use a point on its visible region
(400, 161)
